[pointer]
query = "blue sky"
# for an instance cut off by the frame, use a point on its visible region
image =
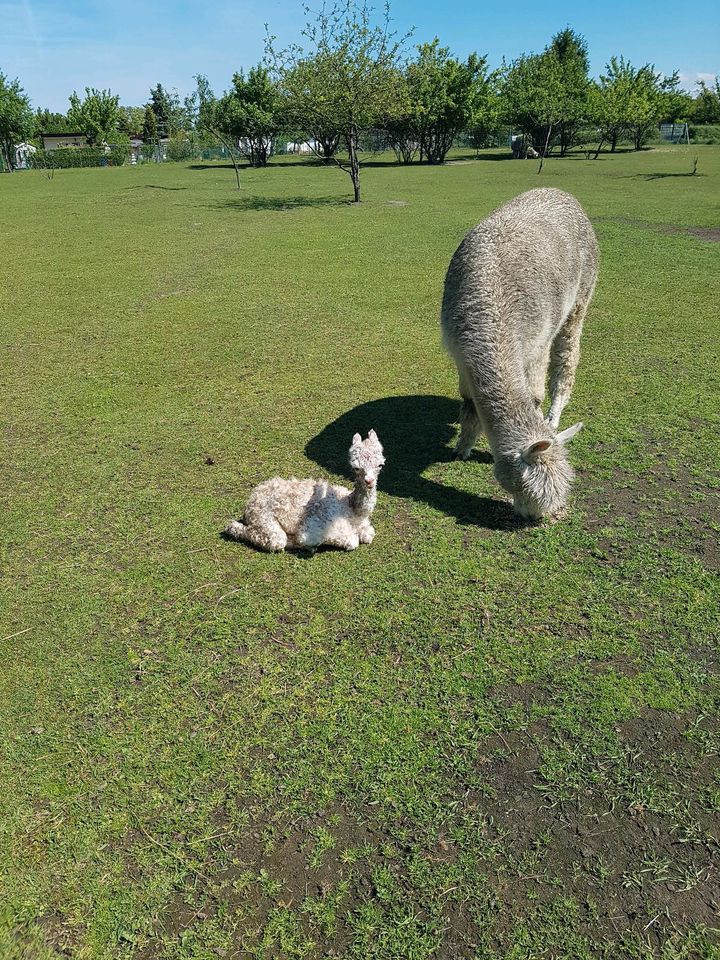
(56, 46)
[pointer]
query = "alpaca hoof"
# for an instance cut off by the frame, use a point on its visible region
(235, 530)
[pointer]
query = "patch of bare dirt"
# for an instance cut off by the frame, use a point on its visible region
(705, 233)
(634, 870)
(710, 234)
(675, 508)
(280, 867)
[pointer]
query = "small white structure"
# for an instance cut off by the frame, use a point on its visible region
(23, 153)
(302, 146)
(59, 141)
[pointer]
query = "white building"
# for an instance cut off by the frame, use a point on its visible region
(23, 153)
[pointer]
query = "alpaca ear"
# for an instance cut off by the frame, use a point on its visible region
(357, 439)
(569, 433)
(372, 435)
(536, 450)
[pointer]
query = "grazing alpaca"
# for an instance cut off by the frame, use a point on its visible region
(308, 513)
(515, 298)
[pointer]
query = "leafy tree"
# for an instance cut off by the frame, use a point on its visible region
(571, 52)
(131, 119)
(612, 102)
(47, 121)
(677, 104)
(442, 97)
(149, 126)
(252, 112)
(631, 101)
(17, 122)
(169, 113)
(706, 106)
(345, 81)
(647, 103)
(548, 95)
(533, 96)
(199, 107)
(208, 119)
(96, 116)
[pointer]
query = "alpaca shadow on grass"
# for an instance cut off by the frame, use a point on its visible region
(415, 432)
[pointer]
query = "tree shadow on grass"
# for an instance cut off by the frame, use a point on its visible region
(415, 432)
(281, 204)
(152, 186)
(244, 164)
(660, 176)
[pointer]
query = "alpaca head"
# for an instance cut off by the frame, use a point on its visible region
(366, 459)
(538, 475)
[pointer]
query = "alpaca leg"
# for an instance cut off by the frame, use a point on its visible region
(564, 357)
(366, 533)
(470, 425)
(236, 530)
(264, 532)
(342, 536)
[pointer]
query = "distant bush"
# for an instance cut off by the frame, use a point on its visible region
(705, 132)
(67, 157)
(181, 150)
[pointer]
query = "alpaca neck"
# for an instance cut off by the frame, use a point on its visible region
(363, 499)
(512, 423)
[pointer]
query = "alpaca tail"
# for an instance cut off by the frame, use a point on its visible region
(236, 530)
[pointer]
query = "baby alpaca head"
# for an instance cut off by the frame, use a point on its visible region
(539, 475)
(366, 459)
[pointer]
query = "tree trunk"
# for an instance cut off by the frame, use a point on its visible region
(352, 145)
(328, 147)
(613, 142)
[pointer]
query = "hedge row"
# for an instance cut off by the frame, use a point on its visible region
(705, 133)
(66, 157)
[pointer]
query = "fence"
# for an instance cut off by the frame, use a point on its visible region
(116, 156)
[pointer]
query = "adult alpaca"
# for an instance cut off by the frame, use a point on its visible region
(515, 298)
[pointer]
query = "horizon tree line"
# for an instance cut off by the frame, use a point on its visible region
(352, 78)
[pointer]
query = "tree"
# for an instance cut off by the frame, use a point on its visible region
(47, 121)
(571, 52)
(346, 81)
(647, 103)
(208, 120)
(706, 106)
(677, 104)
(532, 97)
(96, 116)
(442, 97)
(16, 118)
(149, 126)
(169, 113)
(252, 113)
(200, 107)
(611, 102)
(131, 119)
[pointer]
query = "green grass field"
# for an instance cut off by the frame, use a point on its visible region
(469, 740)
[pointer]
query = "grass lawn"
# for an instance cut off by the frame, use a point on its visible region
(469, 740)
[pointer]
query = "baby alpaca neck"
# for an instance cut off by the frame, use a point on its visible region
(362, 499)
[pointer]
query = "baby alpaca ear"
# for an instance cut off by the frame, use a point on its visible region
(536, 450)
(569, 433)
(372, 435)
(356, 440)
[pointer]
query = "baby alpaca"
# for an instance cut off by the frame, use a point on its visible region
(307, 513)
